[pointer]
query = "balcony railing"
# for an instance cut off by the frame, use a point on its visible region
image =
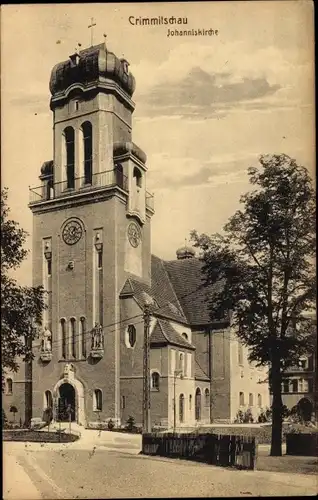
(72, 186)
(150, 201)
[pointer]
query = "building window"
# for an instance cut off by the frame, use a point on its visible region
(185, 336)
(88, 152)
(286, 386)
(137, 177)
(181, 363)
(83, 336)
(123, 402)
(69, 138)
(119, 175)
(131, 336)
(9, 384)
(155, 381)
(303, 385)
(240, 354)
(48, 399)
(181, 408)
(73, 336)
(294, 384)
(76, 105)
(100, 260)
(172, 361)
(189, 364)
(63, 338)
(241, 398)
(251, 399)
(49, 267)
(98, 400)
(259, 400)
(198, 404)
(207, 397)
(190, 402)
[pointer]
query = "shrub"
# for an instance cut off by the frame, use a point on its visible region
(4, 418)
(110, 425)
(130, 424)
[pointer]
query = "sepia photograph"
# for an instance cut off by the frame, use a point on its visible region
(158, 250)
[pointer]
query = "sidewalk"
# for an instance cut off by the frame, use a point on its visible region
(16, 483)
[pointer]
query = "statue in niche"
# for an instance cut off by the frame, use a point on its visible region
(46, 340)
(97, 337)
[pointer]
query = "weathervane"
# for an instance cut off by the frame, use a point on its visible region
(91, 26)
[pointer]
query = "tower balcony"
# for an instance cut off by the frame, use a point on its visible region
(73, 186)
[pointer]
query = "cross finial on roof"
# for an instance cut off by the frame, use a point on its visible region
(91, 26)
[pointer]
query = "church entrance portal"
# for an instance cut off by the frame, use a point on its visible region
(66, 403)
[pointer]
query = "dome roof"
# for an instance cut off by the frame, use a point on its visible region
(88, 66)
(185, 253)
(121, 148)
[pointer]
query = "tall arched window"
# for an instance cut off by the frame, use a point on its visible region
(207, 397)
(119, 175)
(48, 399)
(190, 402)
(130, 336)
(241, 397)
(69, 137)
(88, 152)
(9, 384)
(63, 338)
(198, 404)
(83, 336)
(181, 408)
(137, 177)
(181, 363)
(251, 399)
(259, 400)
(73, 336)
(155, 381)
(98, 400)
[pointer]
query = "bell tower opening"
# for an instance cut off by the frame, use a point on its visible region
(69, 156)
(87, 131)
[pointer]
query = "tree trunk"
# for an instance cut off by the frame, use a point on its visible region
(277, 422)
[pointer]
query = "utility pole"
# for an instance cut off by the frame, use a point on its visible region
(146, 373)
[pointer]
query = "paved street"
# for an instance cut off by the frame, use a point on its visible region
(66, 471)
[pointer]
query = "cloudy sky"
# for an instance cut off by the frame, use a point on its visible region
(206, 106)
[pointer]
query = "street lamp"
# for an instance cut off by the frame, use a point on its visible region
(176, 373)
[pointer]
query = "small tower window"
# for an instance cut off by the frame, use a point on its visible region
(185, 336)
(73, 336)
(49, 267)
(131, 336)
(83, 336)
(155, 381)
(69, 137)
(98, 400)
(9, 384)
(207, 397)
(137, 177)
(76, 105)
(241, 398)
(100, 260)
(63, 338)
(119, 176)
(251, 399)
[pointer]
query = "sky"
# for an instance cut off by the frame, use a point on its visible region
(206, 106)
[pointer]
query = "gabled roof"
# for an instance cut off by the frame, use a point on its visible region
(164, 333)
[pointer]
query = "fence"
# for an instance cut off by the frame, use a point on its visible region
(221, 450)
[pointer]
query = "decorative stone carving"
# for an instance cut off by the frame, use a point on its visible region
(97, 347)
(46, 345)
(69, 371)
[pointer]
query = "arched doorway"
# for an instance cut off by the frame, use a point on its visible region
(305, 409)
(66, 403)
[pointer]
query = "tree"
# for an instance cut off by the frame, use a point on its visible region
(264, 264)
(21, 306)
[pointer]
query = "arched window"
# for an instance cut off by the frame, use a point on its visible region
(241, 398)
(98, 400)
(181, 408)
(198, 404)
(190, 402)
(155, 380)
(48, 399)
(119, 175)
(69, 137)
(83, 336)
(185, 336)
(88, 152)
(9, 385)
(251, 399)
(73, 336)
(131, 336)
(137, 177)
(259, 400)
(63, 338)
(207, 397)
(181, 363)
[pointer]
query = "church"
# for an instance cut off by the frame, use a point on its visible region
(92, 218)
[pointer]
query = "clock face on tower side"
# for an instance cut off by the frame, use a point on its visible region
(134, 234)
(72, 232)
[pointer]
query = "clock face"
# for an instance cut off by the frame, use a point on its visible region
(72, 232)
(134, 234)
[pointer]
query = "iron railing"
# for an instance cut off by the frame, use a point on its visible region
(76, 185)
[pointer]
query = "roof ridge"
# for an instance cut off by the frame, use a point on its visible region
(162, 262)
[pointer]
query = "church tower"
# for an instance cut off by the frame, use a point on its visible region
(91, 230)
